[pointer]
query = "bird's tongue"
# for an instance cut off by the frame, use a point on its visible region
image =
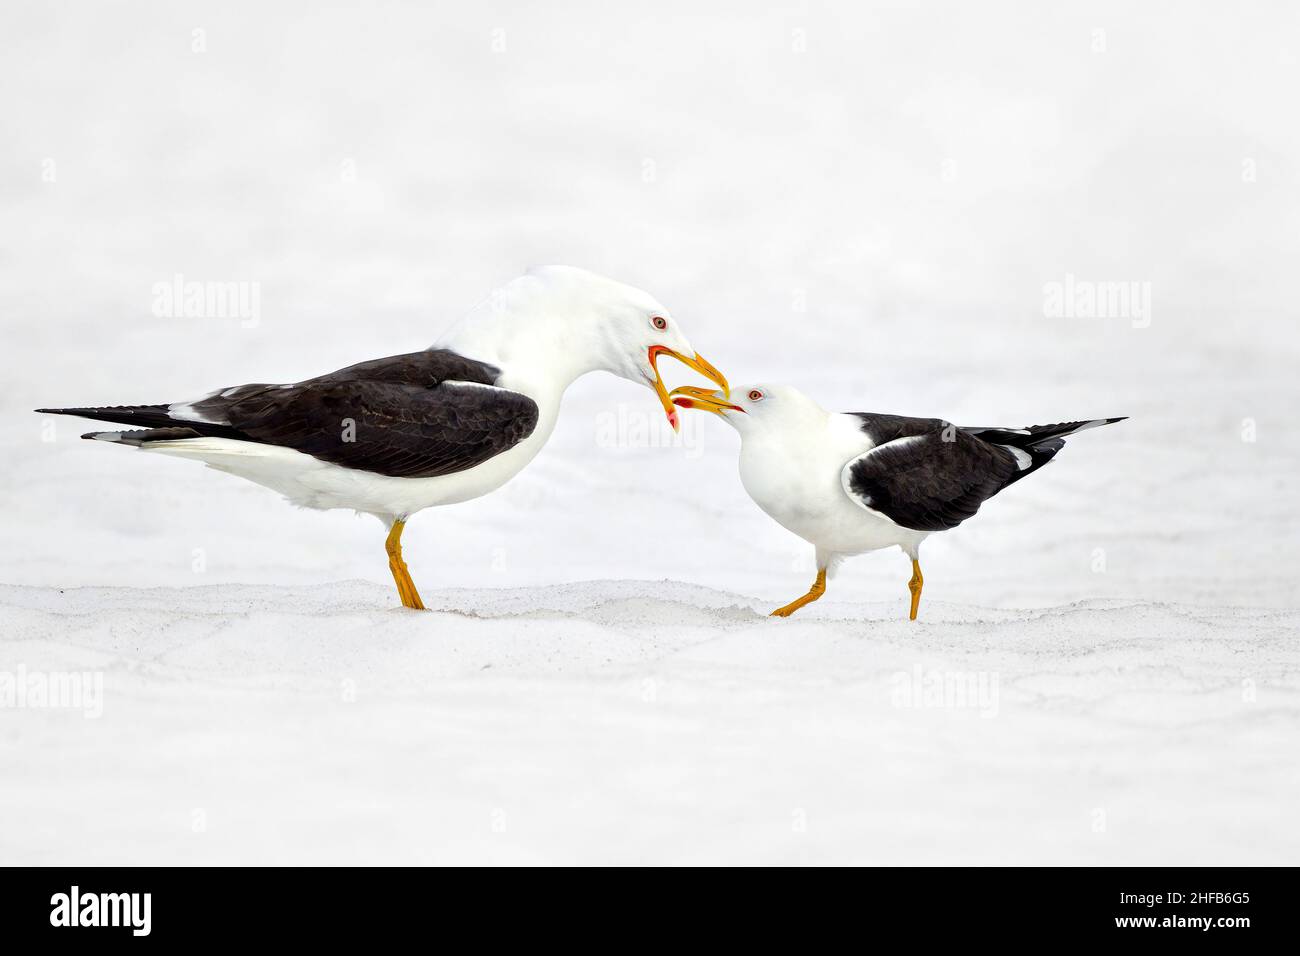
(707, 399)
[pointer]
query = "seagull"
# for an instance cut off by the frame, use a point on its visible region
(393, 436)
(849, 483)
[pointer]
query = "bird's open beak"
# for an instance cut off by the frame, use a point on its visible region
(702, 398)
(698, 363)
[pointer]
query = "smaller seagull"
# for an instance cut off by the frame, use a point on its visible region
(856, 482)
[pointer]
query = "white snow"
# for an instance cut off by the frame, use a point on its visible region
(874, 219)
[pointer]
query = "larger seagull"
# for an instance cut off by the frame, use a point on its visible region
(396, 435)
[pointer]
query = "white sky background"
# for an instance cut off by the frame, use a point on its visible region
(911, 179)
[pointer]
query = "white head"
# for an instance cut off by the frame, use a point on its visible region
(751, 409)
(575, 322)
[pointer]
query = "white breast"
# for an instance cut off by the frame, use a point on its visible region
(794, 476)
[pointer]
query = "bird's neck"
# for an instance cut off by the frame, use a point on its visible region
(540, 354)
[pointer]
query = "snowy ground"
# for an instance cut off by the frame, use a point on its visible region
(622, 722)
(872, 218)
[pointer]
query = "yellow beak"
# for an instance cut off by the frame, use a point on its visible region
(698, 363)
(702, 398)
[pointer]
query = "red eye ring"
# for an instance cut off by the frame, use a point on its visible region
(659, 322)
(755, 395)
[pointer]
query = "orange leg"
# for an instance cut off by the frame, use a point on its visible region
(915, 586)
(405, 586)
(817, 590)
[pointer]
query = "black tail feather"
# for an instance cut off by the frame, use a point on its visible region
(1028, 438)
(147, 417)
(1039, 442)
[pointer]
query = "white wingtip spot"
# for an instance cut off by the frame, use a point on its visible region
(1095, 423)
(456, 383)
(1023, 458)
(185, 411)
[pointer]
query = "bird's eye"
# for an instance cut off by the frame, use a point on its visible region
(755, 395)
(659, 322)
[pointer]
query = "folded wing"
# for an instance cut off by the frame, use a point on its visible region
(418, 415)
(925, 473)
(930, 475)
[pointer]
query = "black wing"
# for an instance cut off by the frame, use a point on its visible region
(418, 415)
(930, 475)
(924, 473)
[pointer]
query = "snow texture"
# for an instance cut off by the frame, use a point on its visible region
(875, 205)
